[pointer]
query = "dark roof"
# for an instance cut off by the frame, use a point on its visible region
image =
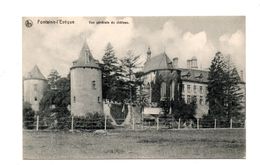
(85, 59)
(159, 62)
(35, 73)
(194, 75)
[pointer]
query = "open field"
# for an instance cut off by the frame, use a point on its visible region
(170, 144)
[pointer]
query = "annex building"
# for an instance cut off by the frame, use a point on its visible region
(165, 80)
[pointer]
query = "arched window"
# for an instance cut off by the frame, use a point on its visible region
(163, 90)
(172, 87)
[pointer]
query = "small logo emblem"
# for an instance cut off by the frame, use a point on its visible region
(28, 23)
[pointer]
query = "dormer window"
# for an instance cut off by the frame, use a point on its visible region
(200, 76)
(188, 74)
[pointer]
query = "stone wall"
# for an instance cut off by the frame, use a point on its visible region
(33, 92)
(86, 91)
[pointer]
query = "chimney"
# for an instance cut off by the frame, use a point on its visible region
(194, 64)
(175, 62)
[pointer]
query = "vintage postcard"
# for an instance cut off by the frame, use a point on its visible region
(168, 87)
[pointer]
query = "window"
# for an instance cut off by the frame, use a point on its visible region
(163, 90)
(87, 57)
(183, 96)
(74, 99)
(188, 88)
(172, 89)
(195, 89)
(93, 84)
(35, 99)
(201, 100)
(194, 99)
(201, 90)
(188, 99)
(183, 87)
(98, 98)
(35, 86)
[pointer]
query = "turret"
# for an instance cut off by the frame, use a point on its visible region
(86, 84)
(34, 86)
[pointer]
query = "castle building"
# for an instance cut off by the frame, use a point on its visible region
(194, 86)
(173, 82)
(161, 78)
(86, 84)
(34, 86)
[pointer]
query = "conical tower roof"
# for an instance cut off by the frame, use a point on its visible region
(85, 58)
(35, 73)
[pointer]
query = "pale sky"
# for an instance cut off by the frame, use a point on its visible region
(56, 46)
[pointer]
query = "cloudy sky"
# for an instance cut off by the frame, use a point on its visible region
(56, 46)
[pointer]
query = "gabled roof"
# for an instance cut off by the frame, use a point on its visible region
(159, 62)
(35, 73)
(194, 75)
(85, 58)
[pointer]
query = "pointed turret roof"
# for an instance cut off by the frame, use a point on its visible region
(159, 62)
(85, 58)
(35, 73)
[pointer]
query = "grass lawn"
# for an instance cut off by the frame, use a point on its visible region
(170, 144)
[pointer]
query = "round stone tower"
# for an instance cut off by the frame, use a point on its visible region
(86, 84)
(34, 85)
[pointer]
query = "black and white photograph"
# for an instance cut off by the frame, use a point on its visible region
(133, 87)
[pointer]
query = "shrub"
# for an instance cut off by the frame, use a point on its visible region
(28, 116)
(57, 118)
(91, 121)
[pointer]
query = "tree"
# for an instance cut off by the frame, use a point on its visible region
(216, 83)
(130, 65)
(52, 78)
(54, 104)
(28, 116)
(58, 97)
(182, 110)
(141, 96)
(224, 94)
(110, 74)
(233, 94)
